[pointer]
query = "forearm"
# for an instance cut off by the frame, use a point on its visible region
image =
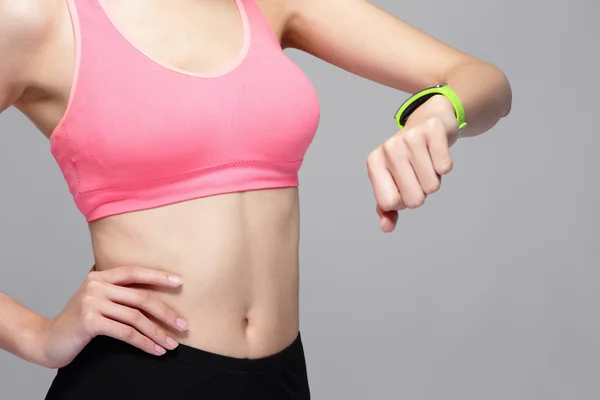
(398, 55)
(485, 93)
(20, 330)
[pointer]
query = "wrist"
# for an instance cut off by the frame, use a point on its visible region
(437, 106)
(33, 341)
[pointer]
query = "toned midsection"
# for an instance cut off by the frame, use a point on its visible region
(238, 257)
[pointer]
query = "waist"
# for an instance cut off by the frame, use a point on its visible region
(183, 373)
(237, 255)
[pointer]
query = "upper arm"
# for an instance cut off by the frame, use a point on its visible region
(366, 40)
(22, 28)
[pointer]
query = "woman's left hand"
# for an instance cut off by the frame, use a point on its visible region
(409, 166)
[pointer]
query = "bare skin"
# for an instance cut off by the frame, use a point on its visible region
(237, 254)
(240, 291)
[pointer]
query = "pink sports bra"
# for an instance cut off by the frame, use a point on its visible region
(138, 134)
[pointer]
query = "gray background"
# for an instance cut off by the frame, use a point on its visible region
(488, 292)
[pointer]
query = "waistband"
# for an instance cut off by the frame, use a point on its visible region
(202, 358)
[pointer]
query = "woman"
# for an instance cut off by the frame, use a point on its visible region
(180, 128)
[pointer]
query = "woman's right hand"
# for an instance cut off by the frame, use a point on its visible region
(105, 305)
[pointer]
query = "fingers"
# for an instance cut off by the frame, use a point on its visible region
(143, 300)
(388, 219)
(398, 154)
(417, 158)
(128, 334)
(135, 318)
(437, 144)
(100, 317)
(386, 192)
(387, 196)
(408, 167)
(422, 164)
(137, 275)
(118, 311)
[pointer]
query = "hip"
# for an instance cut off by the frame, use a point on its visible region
(108, 368)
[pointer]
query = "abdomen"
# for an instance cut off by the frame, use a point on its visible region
(238, 257)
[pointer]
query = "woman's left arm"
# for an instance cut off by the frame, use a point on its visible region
(361, 38)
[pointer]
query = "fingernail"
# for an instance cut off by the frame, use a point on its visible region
(159, 349)
(175, 279)
(181, 323)
(172, 343)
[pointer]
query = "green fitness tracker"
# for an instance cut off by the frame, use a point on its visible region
(416, 100)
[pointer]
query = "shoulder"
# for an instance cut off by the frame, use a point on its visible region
(25, 21)
(24, 29)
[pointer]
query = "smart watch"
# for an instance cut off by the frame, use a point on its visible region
(417, 99)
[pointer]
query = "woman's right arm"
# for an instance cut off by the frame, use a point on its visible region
(20, 330)
(106, 303)
(21, 33)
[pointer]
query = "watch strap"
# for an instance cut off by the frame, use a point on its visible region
(417, 99)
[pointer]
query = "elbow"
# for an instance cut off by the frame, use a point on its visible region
(505, 93)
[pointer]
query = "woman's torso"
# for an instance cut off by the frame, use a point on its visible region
(237, 252)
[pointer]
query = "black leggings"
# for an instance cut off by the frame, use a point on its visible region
(109, 369)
